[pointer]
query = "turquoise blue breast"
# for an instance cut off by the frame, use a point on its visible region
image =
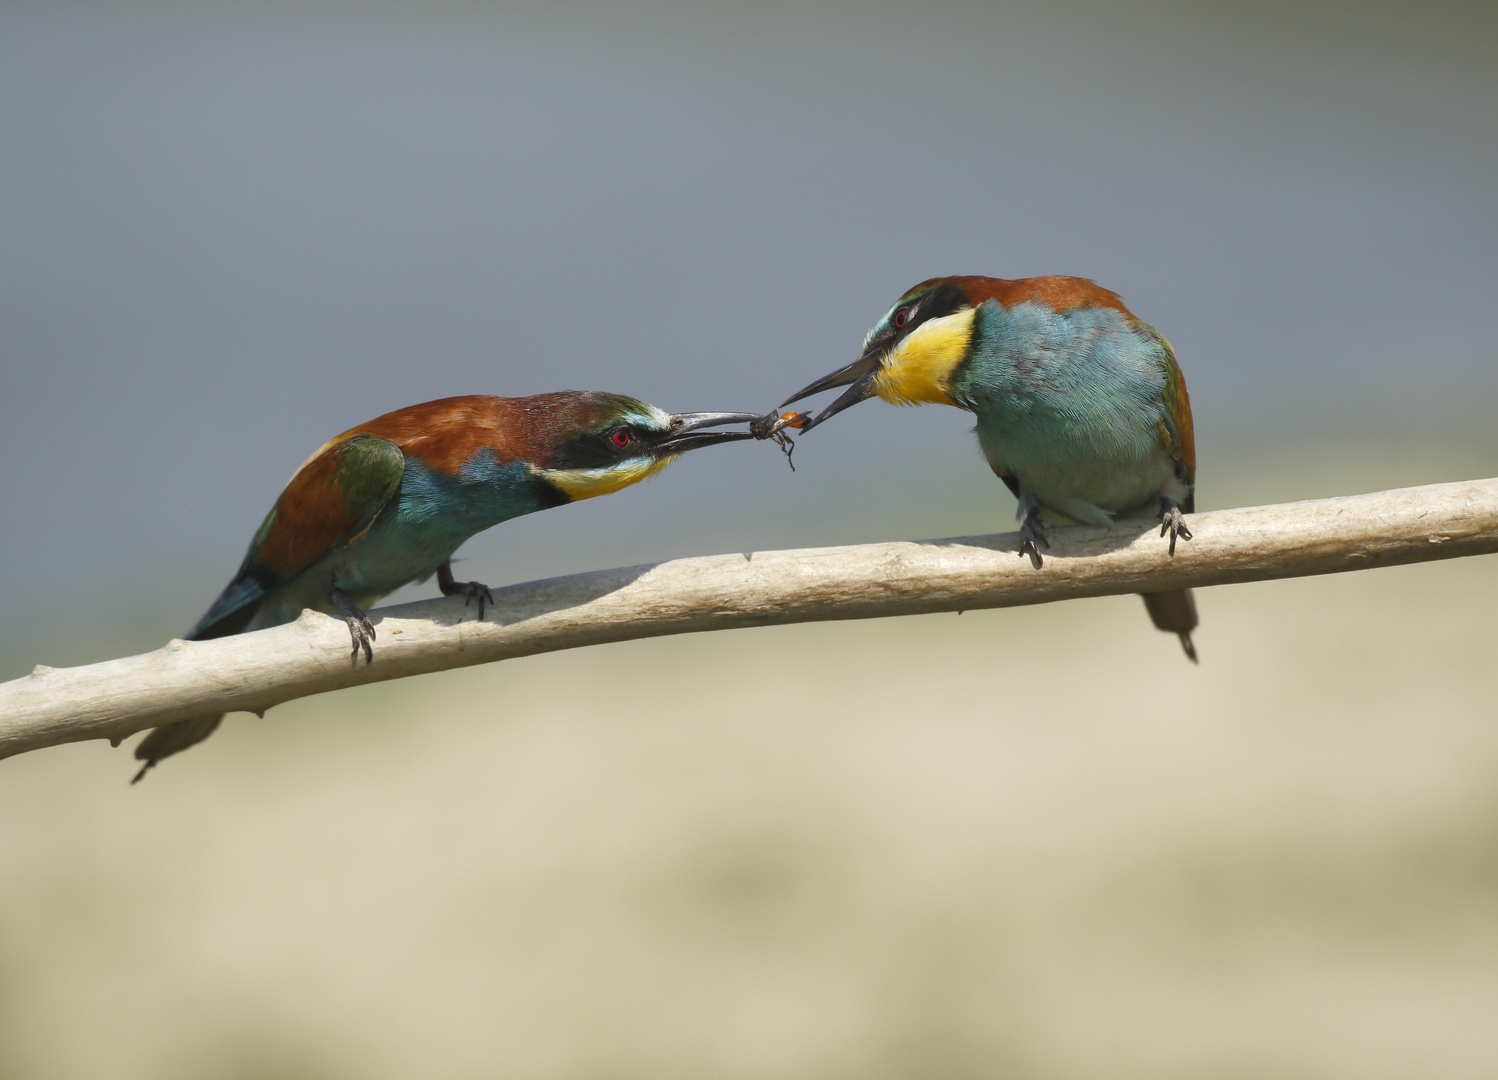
(1031, 363)
(434, 513)
(1068, 403)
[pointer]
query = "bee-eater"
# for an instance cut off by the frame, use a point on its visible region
(390, 501)
(1082, 409)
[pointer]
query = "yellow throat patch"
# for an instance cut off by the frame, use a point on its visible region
(586, 483)
(920, 367)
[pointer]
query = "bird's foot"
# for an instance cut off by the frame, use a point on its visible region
(362, 633)
(469, 590)
(359, 627)
(1172, 521)
(1031, 535)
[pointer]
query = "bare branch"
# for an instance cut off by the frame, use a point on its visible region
(252, 672)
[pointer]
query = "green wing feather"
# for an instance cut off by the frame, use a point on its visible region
(1176, 430)
(332, 500)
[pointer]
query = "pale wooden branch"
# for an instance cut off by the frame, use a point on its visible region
(252, 672)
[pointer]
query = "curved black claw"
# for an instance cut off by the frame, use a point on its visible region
(1029, 536)
(363, 635)
(474, 590)
(469, 590)
(359, 626)
(1174, 522)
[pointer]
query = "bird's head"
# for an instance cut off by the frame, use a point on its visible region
(592, 443)
(910, 355)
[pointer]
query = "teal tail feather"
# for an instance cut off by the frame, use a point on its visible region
(171, 739)
(1175, 613)
(229, 615)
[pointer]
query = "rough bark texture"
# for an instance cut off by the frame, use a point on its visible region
(252, 672)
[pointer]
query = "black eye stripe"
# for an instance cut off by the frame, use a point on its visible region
(940, 301)
(599, 449)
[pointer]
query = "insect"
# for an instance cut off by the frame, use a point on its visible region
(771, 426)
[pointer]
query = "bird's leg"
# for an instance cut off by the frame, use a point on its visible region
(1172, 521)
(359, 626)
(469, 590)
(1030, 535)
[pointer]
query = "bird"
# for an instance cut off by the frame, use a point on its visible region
(1081, 407)
(389, 502)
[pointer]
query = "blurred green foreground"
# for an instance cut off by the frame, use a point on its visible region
(1027, 843)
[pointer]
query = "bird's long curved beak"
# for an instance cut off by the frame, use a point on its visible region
(860, 374)
(687, 430)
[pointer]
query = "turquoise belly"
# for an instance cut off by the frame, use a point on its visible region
(1069, 404)
(430, 518)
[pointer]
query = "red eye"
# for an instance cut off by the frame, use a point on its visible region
(900, 317)
(620, 438)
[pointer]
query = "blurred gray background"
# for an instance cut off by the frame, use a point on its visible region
(1027, 843)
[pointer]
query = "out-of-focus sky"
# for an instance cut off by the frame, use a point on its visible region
(229, 231)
